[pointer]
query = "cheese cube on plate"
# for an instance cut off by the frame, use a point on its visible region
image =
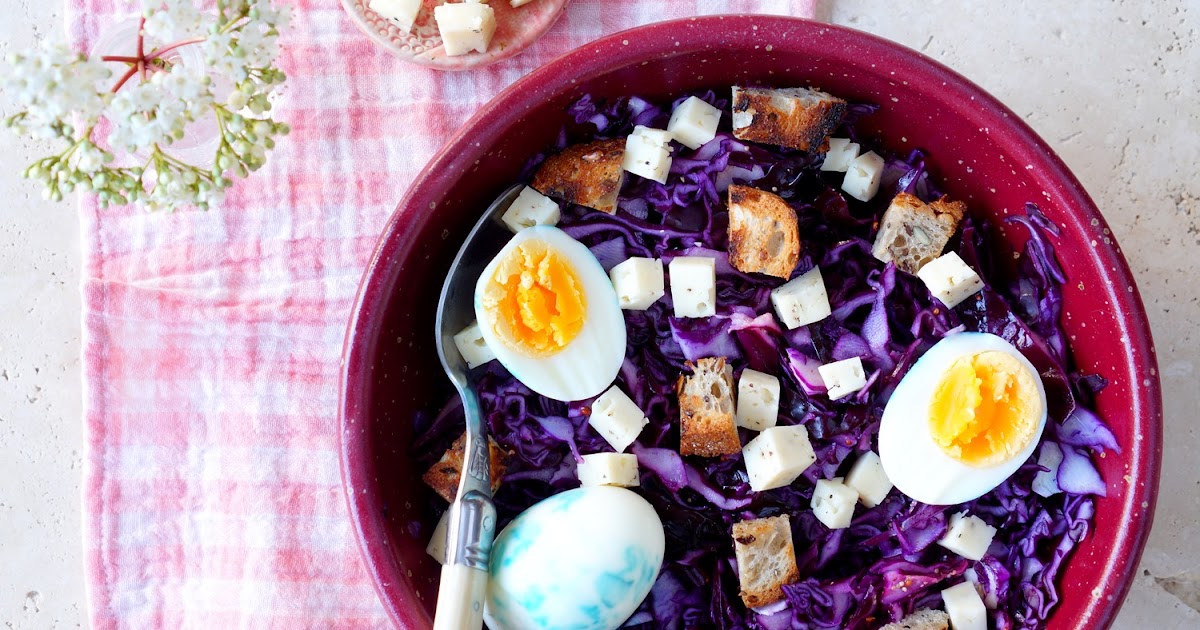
(777, 456)
(694, 286)
(863, 175)
(965, 607)
(757, 401)
(472, 347)
(437, 542)
(617, 418)
(530, 208)
(869, 480)
(465, 27)
(694, 122)
(968, 536)
(840, 154)
(401, 12)
(609, 469)
(648, 153)
(802, 300)
(639, 282)
(950, 279)
(833, 503)
(843, 378)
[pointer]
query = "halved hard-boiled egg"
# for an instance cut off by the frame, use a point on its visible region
(964, 419)
(550, 314)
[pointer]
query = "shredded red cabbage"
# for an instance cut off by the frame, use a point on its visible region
(885, 565)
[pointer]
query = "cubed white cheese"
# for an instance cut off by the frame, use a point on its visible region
(844, 377)
(777, 456)
(465, 27)
(802, 300)
(437, 542)
(757, 400)
(694, 122)
(648, 153)
(472, 347)
(965, 607)
(840, 154)
(833, 503)
(617, 418)
(968, 536)
(609, 469)
(694, 286)
(402, 12)
(639, 282)
(863, 175)
(530, 208)
(869, 480)
(949, 279)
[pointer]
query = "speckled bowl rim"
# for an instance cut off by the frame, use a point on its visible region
(462, 62)
(680, 36)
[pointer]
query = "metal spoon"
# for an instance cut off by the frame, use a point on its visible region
(471, 521)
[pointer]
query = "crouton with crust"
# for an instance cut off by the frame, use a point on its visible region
(763, 237)
(766, 559)
(444, 474)
(706, 421)
(912, 232)
(796, 118)
(924, 619)
(585, 174)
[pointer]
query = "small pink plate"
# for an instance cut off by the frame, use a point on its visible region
(516, 29)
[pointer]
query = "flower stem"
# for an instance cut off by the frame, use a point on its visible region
(120, 58)
(128, 75)
(166, 49)
(141, 47)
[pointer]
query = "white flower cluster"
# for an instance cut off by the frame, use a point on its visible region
(63, 95)
(52, 85)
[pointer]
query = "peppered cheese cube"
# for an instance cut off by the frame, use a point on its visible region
(802, 300)
(530, 208)
(638, 282)
(843, 378)
(465, 27)
(694, 122)
(863, 175)
(965, 607)
(472, 347)
(617, 418)
(694, 286)
(609, 469)
(833, 503)
(840, 154)
(758, 400)
(869, 480)
(648, 153)
(401, 12)
(777, 456)
(949, 279)
(968, 536)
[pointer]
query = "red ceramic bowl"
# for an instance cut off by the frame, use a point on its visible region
(980, 151)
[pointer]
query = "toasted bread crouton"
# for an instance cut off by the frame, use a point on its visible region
(924, 619)
(586, 174)
(766, 559)
(797, 118)
(763, 237)
(443, 476)
(706, 423)
(912, 232)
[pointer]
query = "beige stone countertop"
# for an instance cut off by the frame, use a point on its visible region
(1114, 87)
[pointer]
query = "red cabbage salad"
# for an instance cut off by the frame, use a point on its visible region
(886, 564)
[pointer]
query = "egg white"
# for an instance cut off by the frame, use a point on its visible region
(587, 365)
(913, 461)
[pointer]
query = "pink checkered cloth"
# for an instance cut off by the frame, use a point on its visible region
(212, 494)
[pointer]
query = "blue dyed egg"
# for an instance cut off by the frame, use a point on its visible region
(580, 560)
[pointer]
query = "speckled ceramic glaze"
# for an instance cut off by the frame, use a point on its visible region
(516, 29)
(979, 150)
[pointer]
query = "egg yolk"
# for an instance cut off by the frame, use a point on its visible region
(536, 299)
(985, 409)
